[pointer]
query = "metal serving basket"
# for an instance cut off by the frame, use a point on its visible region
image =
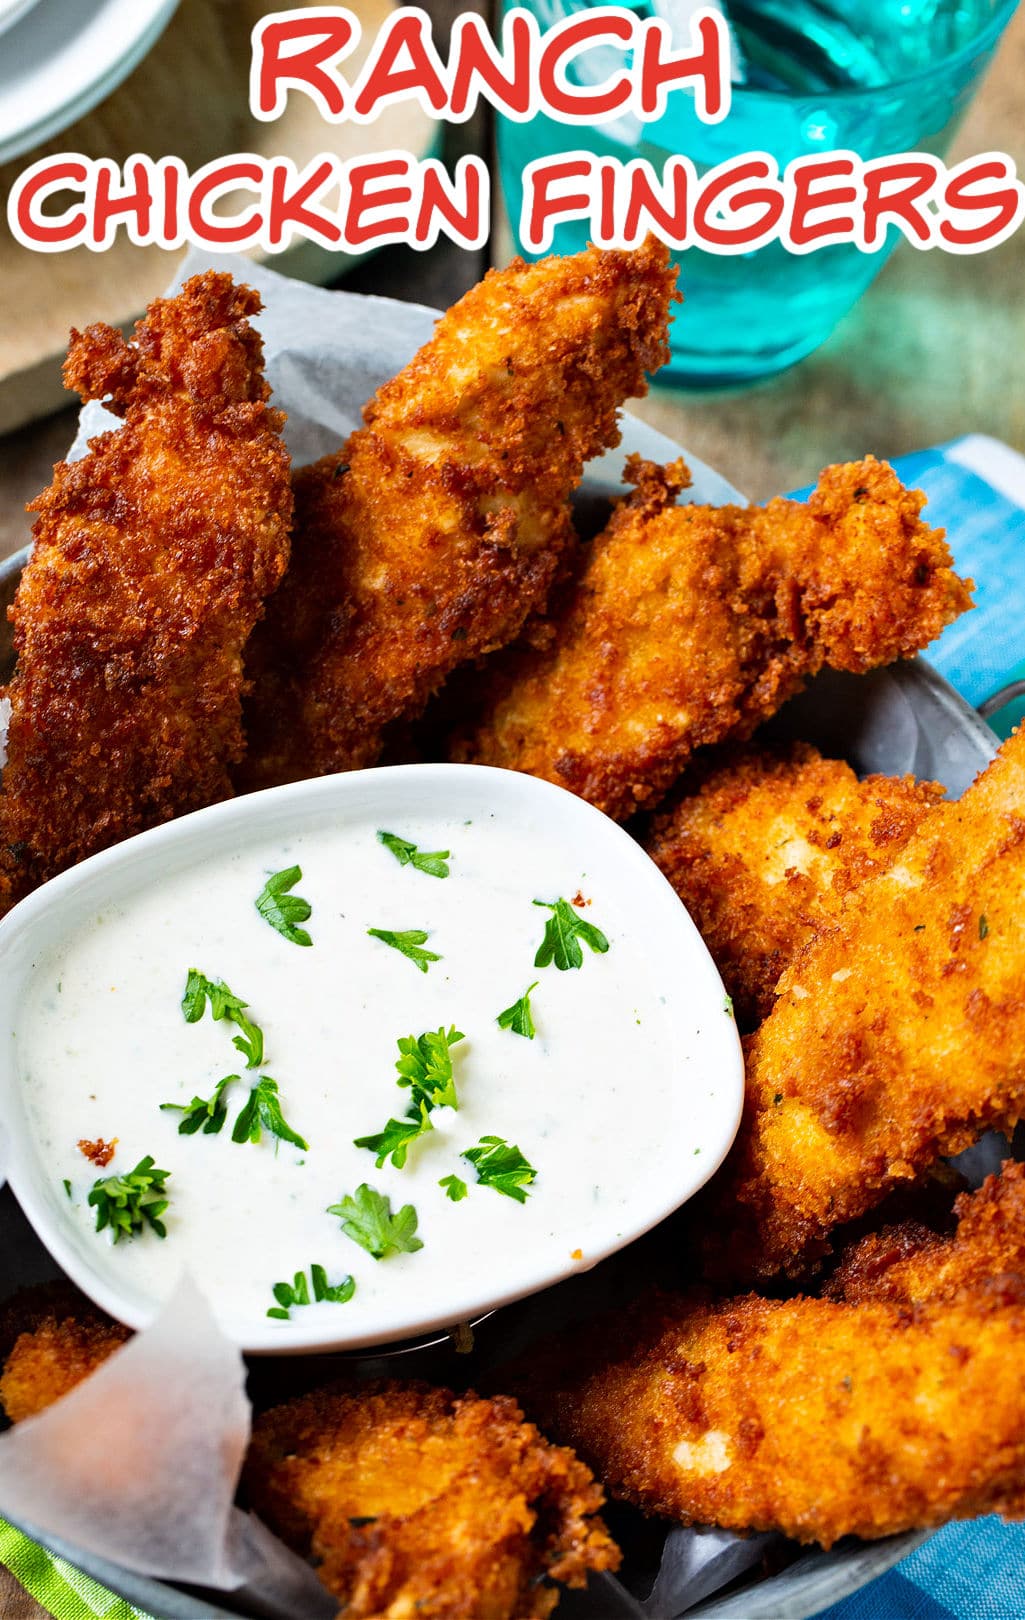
(901, 719)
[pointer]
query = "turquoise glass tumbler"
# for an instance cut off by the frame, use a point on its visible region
(877, 77)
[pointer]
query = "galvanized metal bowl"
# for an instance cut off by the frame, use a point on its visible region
(905, 718)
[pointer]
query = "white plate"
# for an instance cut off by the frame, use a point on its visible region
(12, 10)
(64, 57)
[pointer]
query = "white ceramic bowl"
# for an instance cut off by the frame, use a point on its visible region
(61, 58)
(690, 1086)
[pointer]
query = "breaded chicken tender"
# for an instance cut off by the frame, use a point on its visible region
(762, 847)
(416, 1501)
(910, 1263)
(427, 540)
(898, 1037)
(152, 559)
(50, 1339)
(806, 1416)
(691, 624)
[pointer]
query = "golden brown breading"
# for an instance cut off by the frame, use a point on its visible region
(761, 847)
(427, 540)
(910, 1263)
(50, 1339)
(806, 1416)
(152, 559)
(690, 624)
(414, 1499)
(898, 1036)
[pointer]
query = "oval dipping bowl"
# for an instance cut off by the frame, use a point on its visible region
(623, 1104)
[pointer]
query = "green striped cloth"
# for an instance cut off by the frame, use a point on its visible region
(62, 1591)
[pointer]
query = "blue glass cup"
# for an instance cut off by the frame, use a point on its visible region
(878, 77)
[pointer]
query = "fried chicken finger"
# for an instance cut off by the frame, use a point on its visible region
(414, 1500)
(691, 624)
(50, 1339)
(428, 539)
(898, 1037)
(911, 1263)
(763, 846)
(806, 1416)
(153, 556)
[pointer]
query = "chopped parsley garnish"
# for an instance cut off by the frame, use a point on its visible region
(395, 1140)
(564, 930)
(67, 1186)
(410, 942)
(128, 1203)
(500, 1166)
(289, 1295)
(282, 910)
(367, 1219)
(205, 1113)
(262, 1112)
(728, 1006)
(425, 1066)
(199, 990)
(983, 926)
(454, 1188)
(518, 1017)
(433, 862)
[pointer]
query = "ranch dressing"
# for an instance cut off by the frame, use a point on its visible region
(603, 1098)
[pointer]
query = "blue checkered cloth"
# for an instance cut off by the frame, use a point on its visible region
(976, 490)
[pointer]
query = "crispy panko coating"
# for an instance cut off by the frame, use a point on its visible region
(50, 1339)
(806, 1416)
(762, 847)
(691, 624)
(898, 1037)
(427, 540)
(910, 1263)
(414, 1500)
(152, 559)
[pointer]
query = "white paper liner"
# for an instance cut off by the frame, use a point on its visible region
(696, 1563)
(140, 1464)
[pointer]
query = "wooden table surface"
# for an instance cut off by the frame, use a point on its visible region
(932, 351)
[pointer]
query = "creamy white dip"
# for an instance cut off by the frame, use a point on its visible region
(605, 1100)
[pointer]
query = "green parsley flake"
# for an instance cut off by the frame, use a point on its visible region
(433, 862)
(397, 1137)
(454, 1188)
(290, 1295)
(206, 1113)
(129, 1203)
(500, 1166)
(282, 910)
(367, 1219)
(518, 1017)
(262, 1112)
(564, 930)
(728, 1006)
(199, 990)
(983, 926)
(425, 1066)
(410, 942)
(67, 1186)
